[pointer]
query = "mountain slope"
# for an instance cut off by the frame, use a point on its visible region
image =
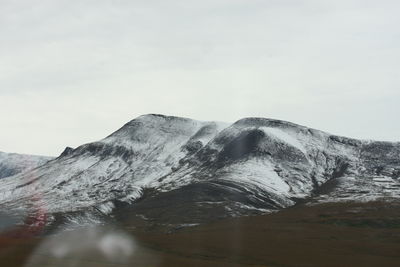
(179, 170)
(11, 163)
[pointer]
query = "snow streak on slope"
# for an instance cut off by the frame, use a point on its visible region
(362, 189)
(281, 135)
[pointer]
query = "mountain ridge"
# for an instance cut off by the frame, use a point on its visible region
(207, 169)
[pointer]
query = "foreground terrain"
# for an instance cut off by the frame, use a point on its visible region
(331, 234)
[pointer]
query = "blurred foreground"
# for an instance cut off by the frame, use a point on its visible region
(340, 234)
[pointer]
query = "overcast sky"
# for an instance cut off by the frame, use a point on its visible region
(73, 72)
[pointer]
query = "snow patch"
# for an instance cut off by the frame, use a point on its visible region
(285, 137)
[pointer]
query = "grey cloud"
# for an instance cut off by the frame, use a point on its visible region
(84, 68)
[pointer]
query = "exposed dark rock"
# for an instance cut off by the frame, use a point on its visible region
(67, 151)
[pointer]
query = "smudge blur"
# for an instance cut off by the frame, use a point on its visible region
(91, 246)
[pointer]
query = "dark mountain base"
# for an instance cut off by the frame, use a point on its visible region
(197, 203)
(337, 234)
(347, 234)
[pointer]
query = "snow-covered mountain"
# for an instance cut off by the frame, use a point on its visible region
(182, 170)
(11, 163)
